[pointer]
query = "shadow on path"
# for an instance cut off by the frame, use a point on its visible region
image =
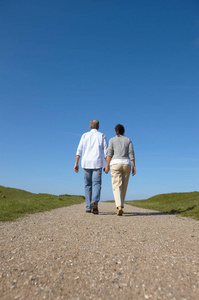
(107, 213)
(134, 214)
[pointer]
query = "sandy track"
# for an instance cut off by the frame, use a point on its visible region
(68, 254)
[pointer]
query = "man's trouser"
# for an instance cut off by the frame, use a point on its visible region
(92, 179)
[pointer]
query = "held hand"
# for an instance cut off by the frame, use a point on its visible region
(76, 168)
(106, 169)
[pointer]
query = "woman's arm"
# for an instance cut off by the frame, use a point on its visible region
(133, 169)
(107, 168)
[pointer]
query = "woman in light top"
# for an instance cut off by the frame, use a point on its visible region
(119, 158)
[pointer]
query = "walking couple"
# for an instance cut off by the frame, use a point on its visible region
(119, 155)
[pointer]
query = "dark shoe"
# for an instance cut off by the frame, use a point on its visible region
(88, 211)
(120, 212)
(94, 208)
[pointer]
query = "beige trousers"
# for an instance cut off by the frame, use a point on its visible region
(120, 177)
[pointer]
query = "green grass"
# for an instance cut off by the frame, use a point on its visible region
(18, 203)
(184, 204)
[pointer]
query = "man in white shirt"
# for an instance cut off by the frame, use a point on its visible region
(90, 148)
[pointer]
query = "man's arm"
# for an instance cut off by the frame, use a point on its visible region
(76, 167)
(105, 146)
(78, 154)
(107, 168)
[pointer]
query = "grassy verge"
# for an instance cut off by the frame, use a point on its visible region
(184, 204)
(15, 203)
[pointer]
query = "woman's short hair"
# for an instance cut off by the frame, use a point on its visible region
(119, 129)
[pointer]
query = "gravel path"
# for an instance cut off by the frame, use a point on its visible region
(68, 254)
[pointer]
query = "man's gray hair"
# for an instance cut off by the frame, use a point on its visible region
(94, 124)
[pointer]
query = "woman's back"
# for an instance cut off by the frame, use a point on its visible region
(120, 147)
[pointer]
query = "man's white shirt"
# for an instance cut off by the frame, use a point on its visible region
(90, 148)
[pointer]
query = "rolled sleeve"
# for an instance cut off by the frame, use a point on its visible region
(110, 148)
(105, 146)
(80, 147)
(131, 151)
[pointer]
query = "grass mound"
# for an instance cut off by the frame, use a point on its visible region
(185, 204)
(15, 203)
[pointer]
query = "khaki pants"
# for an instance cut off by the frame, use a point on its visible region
(120, 177)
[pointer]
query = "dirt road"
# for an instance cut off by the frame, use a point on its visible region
(68, 254)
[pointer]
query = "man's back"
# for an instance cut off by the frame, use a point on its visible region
(91, 145)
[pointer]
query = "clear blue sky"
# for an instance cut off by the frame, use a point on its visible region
(63, 63)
